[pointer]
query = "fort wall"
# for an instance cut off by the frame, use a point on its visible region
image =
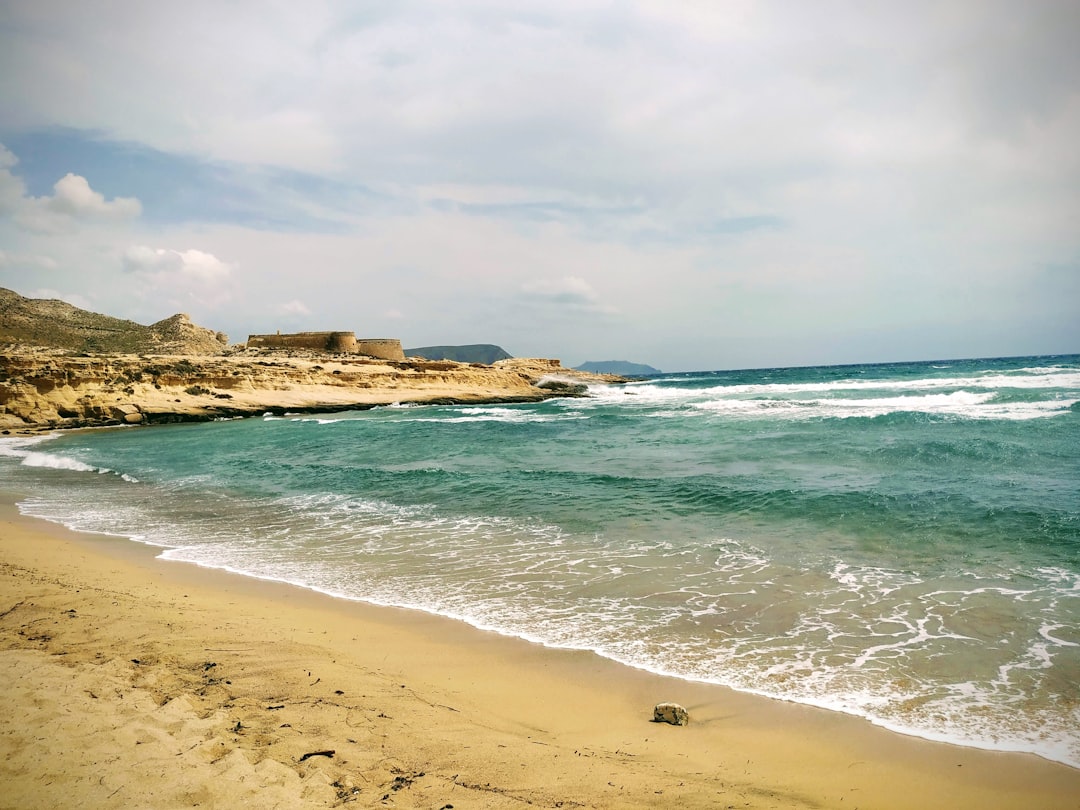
(383, 348)
(331, 342)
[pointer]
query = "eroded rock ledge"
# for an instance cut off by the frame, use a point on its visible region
(46, 389)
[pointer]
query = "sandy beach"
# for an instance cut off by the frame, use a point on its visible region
(134, 682)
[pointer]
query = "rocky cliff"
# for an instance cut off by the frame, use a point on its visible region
(64, 367)
(43, 390)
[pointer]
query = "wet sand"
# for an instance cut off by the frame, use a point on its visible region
(133, 682)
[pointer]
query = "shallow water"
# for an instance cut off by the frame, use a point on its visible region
(897, 541)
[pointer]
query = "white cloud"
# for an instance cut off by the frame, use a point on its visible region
(75, 198)
(7, 159)
(192, 264)
(143, 259)
(203, 266)
(27, 260)
(74, 202)
(12, 190)
(569, 292)
(182, 277)
(294, 307)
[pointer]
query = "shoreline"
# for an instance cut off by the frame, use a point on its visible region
(153, 550)
(212, 670)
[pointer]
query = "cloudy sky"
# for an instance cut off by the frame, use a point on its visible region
(684, 183)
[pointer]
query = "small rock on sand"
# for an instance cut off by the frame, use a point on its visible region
(670, 713)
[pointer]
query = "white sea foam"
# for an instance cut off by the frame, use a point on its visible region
(1047, 631)
(20, 448)
(54, 462)
(975, 400)
(15, 446)
(972, 405)
(655, 392)
(1054, 378)
(497, 414)
(878, 581)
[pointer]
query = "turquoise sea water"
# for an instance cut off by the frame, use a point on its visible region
(896, 541)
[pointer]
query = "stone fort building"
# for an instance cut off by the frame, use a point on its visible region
(331, 342)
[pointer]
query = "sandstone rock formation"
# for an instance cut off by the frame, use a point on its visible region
(42, 389)
(178, 335)
(64, 367)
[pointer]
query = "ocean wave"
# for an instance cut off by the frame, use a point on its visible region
(444, 415)
(959, 403)
(1056, 379)
(15, 446)
(54, 462)
(960, 397)
(18, 448)
(462, 415)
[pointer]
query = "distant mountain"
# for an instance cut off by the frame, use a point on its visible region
(59, 325)
(486, 353)
(621, 367)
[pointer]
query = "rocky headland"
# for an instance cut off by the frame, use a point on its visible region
(61, 367)
(42, 389)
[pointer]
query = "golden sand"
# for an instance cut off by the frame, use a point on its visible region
(130, 682)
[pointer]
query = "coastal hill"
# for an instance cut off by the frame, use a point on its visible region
(59, 325)
(63, 367)
(486, 353)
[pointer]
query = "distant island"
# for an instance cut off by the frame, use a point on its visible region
(621, 367)
(486, 353)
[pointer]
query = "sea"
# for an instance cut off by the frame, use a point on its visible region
(897, 541)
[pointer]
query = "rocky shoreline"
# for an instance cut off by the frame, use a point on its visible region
(44, 389)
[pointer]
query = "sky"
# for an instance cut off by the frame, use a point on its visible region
(689, 184)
